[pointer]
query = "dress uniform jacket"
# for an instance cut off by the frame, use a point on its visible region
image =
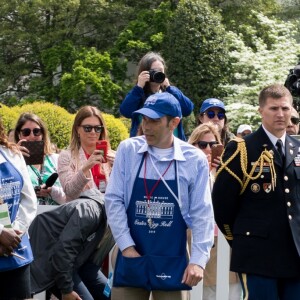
(262, 225)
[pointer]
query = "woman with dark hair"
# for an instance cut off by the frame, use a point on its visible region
(213, 110)
(18, 207)
(31, 127)
(152, 79)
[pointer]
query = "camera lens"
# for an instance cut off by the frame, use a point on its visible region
(157, 76)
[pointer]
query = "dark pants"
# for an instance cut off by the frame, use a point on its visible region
(266, 288)
(15, 284)
(89, 283)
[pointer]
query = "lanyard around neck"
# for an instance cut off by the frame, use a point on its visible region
(156, 183)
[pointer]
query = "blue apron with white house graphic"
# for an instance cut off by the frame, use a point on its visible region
(11, 184)
(159, 232)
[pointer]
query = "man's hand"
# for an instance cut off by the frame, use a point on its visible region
(130, 252)
(193, 274)
(71, 296)
(10, 239)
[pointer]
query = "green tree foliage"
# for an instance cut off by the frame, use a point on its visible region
(196, 50)
(8, 117)
(89, 81)
(258, 66)
(41, 40)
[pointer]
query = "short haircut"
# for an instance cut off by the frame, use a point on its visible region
(275, 91)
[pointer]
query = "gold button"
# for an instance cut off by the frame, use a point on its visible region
(288, 204)
(287, 191)
(247, 233)
(290, 217)
(285, 178)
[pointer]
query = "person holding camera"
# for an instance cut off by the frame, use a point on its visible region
(31, 128)
(152, 79)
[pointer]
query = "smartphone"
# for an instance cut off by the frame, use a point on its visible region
(36, 151)
(216, 151)
(102, 145)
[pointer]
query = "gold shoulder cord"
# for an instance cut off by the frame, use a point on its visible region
(266, 156)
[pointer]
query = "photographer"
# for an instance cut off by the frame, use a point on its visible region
(152, 79)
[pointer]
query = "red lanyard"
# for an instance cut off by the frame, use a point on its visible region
(156, 183)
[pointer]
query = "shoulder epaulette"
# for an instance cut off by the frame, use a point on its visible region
(266, 156)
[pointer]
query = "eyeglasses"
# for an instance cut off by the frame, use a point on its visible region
(35, 131)
(89, 128)
(203, 145)
(295, 120)
(211, 114)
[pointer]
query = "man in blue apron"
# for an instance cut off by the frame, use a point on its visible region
(158, 188)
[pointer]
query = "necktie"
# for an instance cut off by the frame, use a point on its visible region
(279, 146)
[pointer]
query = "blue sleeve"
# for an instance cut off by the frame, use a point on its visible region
(132, 102)
(186, 104)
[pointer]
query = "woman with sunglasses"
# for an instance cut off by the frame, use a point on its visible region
(18, 207)
(213, 110)
(204, 137)
(31, 128)
(82, 167)
(152, 79)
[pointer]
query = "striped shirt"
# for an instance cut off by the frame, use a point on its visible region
(194, 201)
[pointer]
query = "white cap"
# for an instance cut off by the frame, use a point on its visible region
(244, 127)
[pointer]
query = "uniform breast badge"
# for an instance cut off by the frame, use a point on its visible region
(255, 188)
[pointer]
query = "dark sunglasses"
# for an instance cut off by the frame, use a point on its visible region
(35, 131)
(295, 120)
(89, 128)
(245, 133)
(211, 114)
(203, 145)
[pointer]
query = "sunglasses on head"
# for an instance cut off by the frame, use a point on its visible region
(203, 145)
(35, 131)
(211, 114)
(295, 120)
(89, 128)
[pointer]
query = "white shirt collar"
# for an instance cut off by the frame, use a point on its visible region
(273, 138)
(177, 153)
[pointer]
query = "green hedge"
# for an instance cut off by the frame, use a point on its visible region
(59, 122)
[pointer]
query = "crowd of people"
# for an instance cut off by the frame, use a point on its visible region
(159, 200)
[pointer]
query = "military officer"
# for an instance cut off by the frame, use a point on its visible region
(260, 213)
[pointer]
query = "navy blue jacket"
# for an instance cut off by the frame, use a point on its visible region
(135, 99)
(262, 225)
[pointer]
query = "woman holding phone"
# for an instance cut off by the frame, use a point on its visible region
(30, 128)
(87, 164)
(82, 166)
(206, 137)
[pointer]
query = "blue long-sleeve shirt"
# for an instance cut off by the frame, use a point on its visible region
(193, 179)
(135, 99)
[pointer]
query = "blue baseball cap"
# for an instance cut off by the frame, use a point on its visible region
(159, 105)
(210, 103)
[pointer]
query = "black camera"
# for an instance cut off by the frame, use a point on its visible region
(292, 82)
(157, 76)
